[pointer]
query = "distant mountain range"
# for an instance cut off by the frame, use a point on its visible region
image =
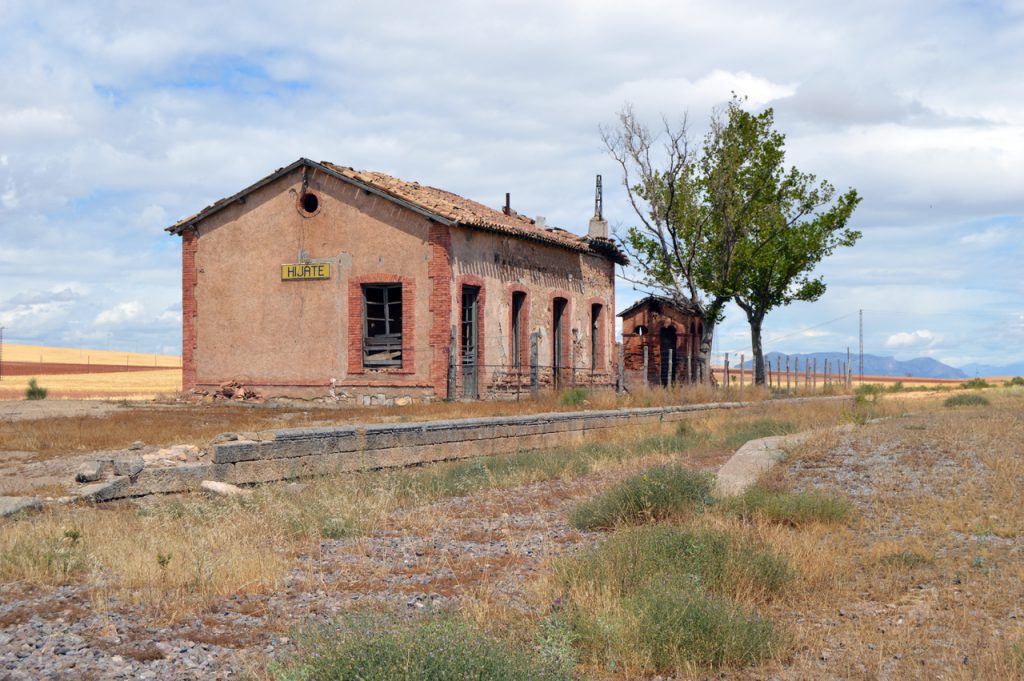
(975, 369)
(875, 365)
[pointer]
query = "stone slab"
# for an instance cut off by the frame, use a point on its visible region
(11, 505)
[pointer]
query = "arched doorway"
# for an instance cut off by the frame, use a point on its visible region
(668, 354)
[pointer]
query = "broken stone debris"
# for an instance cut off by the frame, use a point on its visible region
(11, 505)
(129, 467)
(229, 390)
(90, 471)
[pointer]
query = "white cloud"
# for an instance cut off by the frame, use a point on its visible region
(120, 313)
(922, 338)
(111, 130)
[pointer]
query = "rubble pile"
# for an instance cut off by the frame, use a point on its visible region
(229, 390)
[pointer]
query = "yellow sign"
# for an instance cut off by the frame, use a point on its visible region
(306, 270)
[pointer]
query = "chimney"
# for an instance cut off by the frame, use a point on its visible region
(598, 225)
(507, 210)
(541, 222)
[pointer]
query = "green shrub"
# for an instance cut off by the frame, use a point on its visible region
(667, 556)
(677, 628)
(1015, 381)
(657, 493)
(790, 508)
(976, 383)
(744, 432)
(656, 599)
(968, 400)
(897, 387)
(34, 391)
(573, 396)
(868, 393)
(368, 647)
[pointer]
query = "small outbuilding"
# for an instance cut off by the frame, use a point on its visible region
(669, 334)
(321, 280)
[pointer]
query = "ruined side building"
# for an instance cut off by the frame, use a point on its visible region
(322, 280)
(669, 334)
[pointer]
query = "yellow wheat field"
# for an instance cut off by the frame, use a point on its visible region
(46, 354)
(133, 384)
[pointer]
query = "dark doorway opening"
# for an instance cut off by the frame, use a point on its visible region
(669, 356)
(470, 337)
(557, 339)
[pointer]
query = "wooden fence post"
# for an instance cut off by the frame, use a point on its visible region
(534, 359)
(670, 368)
(619, 386)
(645, 365)
(741, 372)
(452, 364)
(787, 374)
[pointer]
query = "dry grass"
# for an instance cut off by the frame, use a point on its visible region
(221, 547)
(926, 581)
(198, 424)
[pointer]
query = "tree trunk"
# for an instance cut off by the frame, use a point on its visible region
(755, 343)
(704, 352)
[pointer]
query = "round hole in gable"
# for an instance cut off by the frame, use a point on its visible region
(310, 202)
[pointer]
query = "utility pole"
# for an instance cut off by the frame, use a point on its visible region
(860, 365)
(2, 352)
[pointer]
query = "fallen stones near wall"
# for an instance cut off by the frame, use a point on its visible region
(305, 452)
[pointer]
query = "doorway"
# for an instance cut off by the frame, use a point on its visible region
(470, 337)
(669, 355)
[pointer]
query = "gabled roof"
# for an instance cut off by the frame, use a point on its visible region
(687, 309)
(433, 203)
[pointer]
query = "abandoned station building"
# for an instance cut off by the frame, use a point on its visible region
(669, 334)
(322, 280)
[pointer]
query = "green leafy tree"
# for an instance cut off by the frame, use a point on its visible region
(694, 206)
(793, 222)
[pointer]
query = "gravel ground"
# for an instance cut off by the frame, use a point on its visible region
(431, 555)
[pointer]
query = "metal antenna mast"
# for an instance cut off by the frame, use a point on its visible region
(598, 200)
(860, 365)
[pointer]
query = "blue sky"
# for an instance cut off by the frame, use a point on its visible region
(117, 119)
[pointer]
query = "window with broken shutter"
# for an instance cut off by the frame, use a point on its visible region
(382, 325)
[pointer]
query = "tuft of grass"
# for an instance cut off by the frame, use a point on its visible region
(655, 494)
(680, 628)
(666, 555)
(756, 429)
(34, 391)
(1016, 381)
(966, 400)
(906, 559)
(976, 384)
(789, 508)
(658, 599)
(573, 396)
(374, 647)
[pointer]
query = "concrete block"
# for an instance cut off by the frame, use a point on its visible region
(107, 490)
(12, 505)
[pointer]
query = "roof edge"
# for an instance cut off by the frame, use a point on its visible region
(602, 247)
(191, 221)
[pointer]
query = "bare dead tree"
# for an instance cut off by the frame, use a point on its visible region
(659, 172)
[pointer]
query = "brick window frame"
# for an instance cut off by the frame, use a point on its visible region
(524, 327)
(355, 323)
